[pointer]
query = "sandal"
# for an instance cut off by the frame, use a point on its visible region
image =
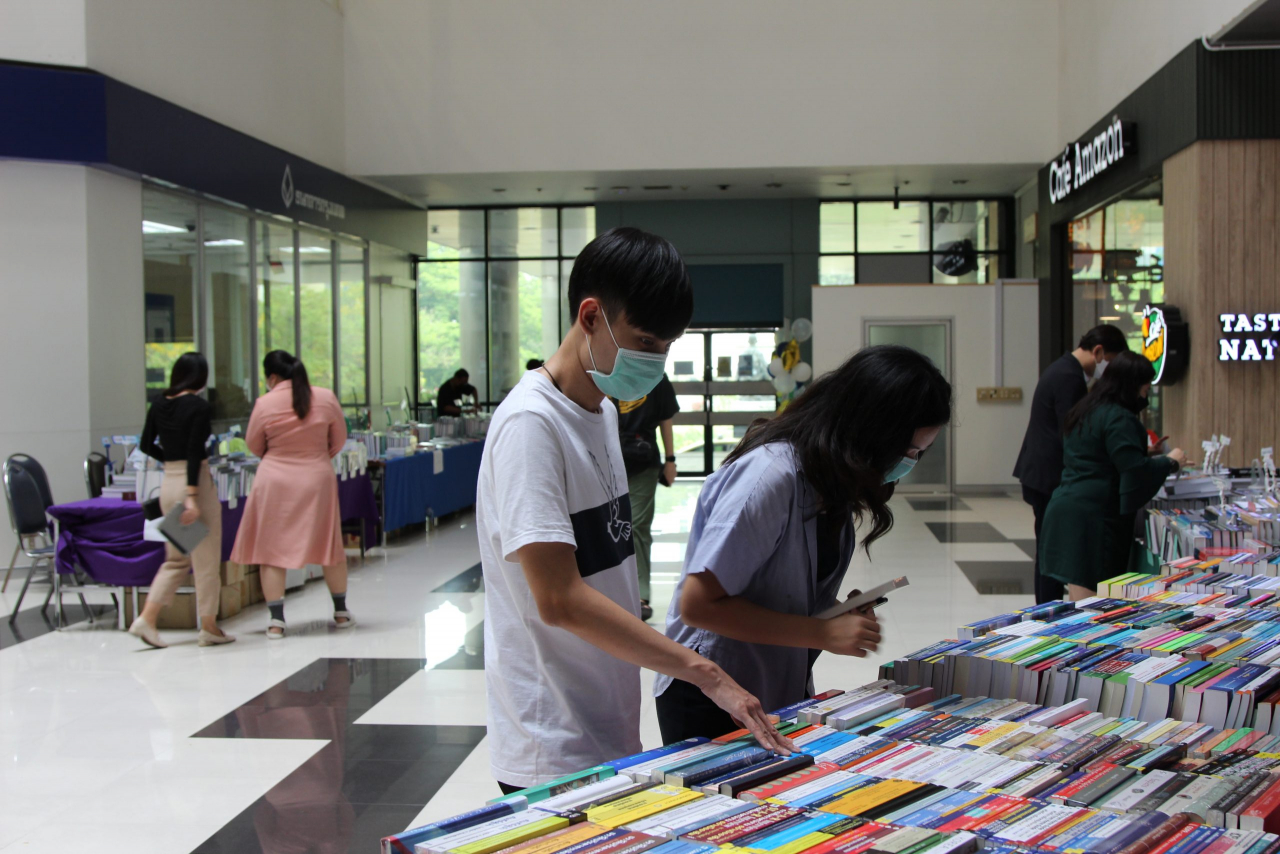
(343, 619)
(275, 624)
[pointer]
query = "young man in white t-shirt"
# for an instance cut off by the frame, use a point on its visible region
(564, 642)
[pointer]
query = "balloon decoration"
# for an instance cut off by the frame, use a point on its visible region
(786, 370)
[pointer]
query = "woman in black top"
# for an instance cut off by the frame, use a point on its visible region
(177, 433)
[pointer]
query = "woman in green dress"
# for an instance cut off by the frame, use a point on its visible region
(1108, 476)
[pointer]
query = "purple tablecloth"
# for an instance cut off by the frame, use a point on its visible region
(104, 535)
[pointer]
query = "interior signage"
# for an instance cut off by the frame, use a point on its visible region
(1083, 161)
(291, 196)
(1166, 342)
(1233, 348)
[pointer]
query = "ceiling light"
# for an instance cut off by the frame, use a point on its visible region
(149, 227)
(306, 250)
(226, 241)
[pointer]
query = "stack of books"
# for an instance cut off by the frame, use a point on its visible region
(888, 768)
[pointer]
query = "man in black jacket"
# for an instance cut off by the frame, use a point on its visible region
(1039, 466)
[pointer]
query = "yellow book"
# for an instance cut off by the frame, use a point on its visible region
(804, 843)
(513, 837)
(640, 805)
(997, 733)
(1164, 728)
(856, 803)
(558, 840)
(1223, 650)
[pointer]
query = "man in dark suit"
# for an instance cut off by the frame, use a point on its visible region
(1039, 466)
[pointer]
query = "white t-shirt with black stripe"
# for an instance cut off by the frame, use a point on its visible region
(553, 473)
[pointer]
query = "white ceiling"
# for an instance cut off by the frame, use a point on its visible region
(828, 183)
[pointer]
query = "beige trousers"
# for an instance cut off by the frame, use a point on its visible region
(204, 562)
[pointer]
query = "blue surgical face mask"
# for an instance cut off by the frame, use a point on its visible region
(900, 470)
(635, 373)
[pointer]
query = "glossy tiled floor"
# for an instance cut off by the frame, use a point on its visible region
(328, 740)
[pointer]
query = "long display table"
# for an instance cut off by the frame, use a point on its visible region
(413, 491)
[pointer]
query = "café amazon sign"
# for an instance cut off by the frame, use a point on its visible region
(1085, 160)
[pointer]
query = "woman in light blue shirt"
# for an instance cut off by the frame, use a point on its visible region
(774, 532)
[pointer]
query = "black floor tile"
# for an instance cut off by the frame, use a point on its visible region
(945, 502)
(31, 622)
(965, 532)
(999, 576)
(368, 781)
(471, 581)
(1028, 547)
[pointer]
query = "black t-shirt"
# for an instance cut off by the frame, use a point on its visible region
(449, 395)
(639, 420)
(178, 429)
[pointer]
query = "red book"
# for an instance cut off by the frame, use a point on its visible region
(979, 814)
(1079, 784)
(1181, 834)
(790, 781)
(852, 841)
(1264, 812)
(1248, 741)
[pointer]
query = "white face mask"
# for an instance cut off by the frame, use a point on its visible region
(1099, 368)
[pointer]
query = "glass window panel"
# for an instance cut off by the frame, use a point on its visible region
(566, 270)
(883, 229)
(740, 356)
(835, 270)
(763, 403)
(352, 357)
(316, 302)
(988, 270)
(690, 441)
(724, 438)
(690, 402)
(577, 229)
(228, 317)
(523, 233)
(835, 227)
(977, 221)
(169, 282)
(686, 361)
(275, 292)
(450, 324)
(455, 234)
(894, 269)
(524, 318)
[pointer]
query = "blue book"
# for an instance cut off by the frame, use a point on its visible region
(403, 843)
(789, 712)
(637, 758)
(697, 773)
(681, 847)
(831, 791)
(930, 813)
(1078, 835)
(797, 831)
(828, 742)
(1195, 841)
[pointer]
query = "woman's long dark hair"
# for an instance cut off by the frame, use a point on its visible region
(287, 367)
(1125, 375)
(852, 425)
(189, 373)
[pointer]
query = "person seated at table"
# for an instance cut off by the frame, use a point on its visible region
(177, 433)
(451, 393)
(291, 518)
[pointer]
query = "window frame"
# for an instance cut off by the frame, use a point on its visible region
(256, 219)
(487, 259)
(1003, 257)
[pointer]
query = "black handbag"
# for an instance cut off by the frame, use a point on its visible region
(151, 508)
(637, 453)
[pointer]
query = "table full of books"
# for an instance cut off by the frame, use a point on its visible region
(1140, 721)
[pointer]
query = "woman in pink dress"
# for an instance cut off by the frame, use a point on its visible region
(292, 517)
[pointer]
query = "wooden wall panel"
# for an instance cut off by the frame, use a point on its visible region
(1222, 253)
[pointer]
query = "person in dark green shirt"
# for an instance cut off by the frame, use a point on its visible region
(1108, 475)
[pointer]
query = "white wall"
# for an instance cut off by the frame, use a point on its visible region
(49, 31)
(460, 86)
(272, 70)
(71, 293)
(1110, 47)
(987, 435)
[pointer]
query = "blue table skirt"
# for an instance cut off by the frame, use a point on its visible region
(412, 491)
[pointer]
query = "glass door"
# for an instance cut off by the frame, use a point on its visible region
(932, 338)
(722, 385)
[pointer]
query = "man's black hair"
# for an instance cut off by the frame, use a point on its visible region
(461, 374)
(637, 275)
(1111, 339)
